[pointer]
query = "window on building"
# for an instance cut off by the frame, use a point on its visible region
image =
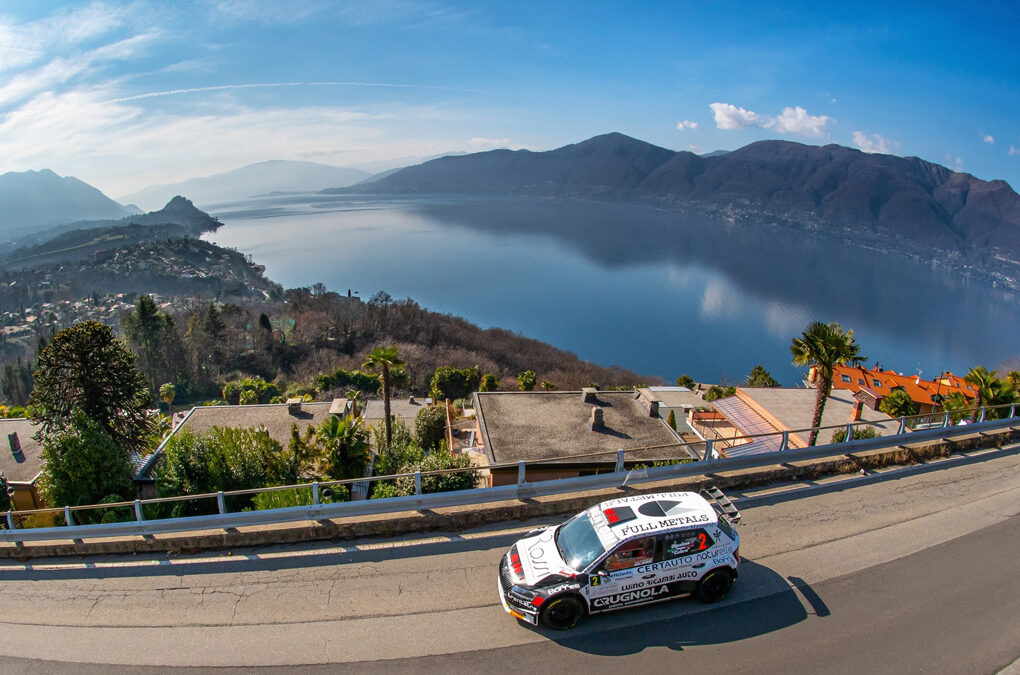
(846, 378)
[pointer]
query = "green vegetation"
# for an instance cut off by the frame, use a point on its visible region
(347, 380)
(84, 464)
(823, 347)
(991, 391)
(344, 447)
(385, 358)
(898, 404)
(671, 420)
(454, 383)
(430, 427)
(85, 368)
(759, 377)
(718, 391)
(526, 380)
(250, 390)
(221, 459)
(860, 433)
(5, 499)
(686, 381)
(489, 382)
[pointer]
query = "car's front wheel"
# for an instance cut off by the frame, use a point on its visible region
(714, 586)
(562, 612)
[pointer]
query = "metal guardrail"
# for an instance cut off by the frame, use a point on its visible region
(620, 477)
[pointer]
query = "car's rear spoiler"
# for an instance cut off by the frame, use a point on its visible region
(723, 506)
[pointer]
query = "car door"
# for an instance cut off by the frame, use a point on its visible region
(680, 560)
(615, 582)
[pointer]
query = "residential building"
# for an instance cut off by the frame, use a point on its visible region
(22, 462)
(872, 385)
(765, 412)
(559, 433)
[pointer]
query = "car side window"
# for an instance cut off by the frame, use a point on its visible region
(676, 544)
(631, 554)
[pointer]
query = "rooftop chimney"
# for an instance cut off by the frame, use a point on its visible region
(653, 408)
(15, 442)
(293, 406)
(588, 394)
(855, 414)
(596, 422)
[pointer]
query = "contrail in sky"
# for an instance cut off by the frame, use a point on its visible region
(267, 85)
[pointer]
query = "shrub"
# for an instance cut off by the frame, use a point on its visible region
(489, 382)
(454, 383)
(860, 433)
(261, 391)
(282, 499)
(430, 427)
(526, 380)
(220, 459)
(440, 459)
(347, 379)
(716, 392)
(84, 465)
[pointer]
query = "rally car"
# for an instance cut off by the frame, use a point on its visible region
(621, 553)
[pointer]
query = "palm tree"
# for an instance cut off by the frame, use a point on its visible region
(344, 445)
(824, 346)
(990, 390)
(167, 392)
(385, 358)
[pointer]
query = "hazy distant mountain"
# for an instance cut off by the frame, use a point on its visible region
(32, 198)
(249, 181)
(180, 215)
(874, 199)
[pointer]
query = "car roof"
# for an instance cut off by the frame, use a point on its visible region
(628, 517)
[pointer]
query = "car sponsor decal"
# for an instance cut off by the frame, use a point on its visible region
(629, 597)
(664, 523)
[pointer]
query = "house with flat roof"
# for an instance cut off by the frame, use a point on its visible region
(404, 408)
(557, 433)
(275, 418)
(768, 411)
(21, 461)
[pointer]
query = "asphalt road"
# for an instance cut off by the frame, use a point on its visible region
(906, 572)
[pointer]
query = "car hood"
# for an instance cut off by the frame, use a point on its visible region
(541, 559)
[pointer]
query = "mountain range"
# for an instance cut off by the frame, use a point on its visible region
(905, 203)
(31, 199)
(249, 181)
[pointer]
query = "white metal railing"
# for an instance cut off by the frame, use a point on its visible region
(697, 463)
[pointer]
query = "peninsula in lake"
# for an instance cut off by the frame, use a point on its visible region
(901, 204)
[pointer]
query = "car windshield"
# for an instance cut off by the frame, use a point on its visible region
(578, 542)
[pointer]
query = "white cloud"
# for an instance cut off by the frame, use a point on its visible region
(686, 124)
(988, 138)
(797, 121)
(22, 44)
(959, 163)
(793, 120)
(696, 149)
(729, 116)
(491, 143)
(1013, 150)
(874, 143)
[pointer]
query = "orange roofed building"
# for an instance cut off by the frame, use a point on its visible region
(872, 385)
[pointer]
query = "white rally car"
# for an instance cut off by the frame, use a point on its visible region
(624, 552)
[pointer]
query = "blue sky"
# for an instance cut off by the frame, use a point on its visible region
(126, 94)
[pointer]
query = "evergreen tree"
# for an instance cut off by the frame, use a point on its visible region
(86, 368)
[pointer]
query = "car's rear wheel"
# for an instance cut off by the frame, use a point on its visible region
(714, 586)
(562, 612)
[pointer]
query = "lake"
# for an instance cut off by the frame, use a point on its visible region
(655, 291)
